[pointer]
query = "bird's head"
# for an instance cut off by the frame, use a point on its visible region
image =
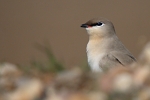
(99, 27)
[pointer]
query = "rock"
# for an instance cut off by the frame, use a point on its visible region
(8, 68)
(144, 58)
(97, 95)
(30, 90)
(144, 94)
(78, 96)
(141, 74)
(123, 83)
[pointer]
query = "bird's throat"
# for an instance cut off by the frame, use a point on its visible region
(95, 37)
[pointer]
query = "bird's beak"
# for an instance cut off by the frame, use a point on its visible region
(84, 26)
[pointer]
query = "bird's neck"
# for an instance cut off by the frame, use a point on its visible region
(94, 41)
(95, 37)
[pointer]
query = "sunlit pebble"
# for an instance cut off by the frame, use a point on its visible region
(106, 83)
(144, 94)
(97, 96)
(54, 97)
(7, 68)
(141, 75)
(145, 55)
(27, 91)
(78, 96)
(54, 94)
(107, 79)
(123, 82)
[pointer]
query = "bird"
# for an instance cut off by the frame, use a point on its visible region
(104, 49)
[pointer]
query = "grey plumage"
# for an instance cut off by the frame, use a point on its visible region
(104, 49)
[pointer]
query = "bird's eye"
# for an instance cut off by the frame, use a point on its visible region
(99, 23)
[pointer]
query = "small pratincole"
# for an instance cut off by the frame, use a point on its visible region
(104, 49)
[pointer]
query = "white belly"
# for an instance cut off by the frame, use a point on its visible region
(95, 54)
(94, 61)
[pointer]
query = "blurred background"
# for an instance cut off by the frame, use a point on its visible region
(23, 24)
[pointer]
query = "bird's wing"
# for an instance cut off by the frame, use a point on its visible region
(114, 59)
(121, 58)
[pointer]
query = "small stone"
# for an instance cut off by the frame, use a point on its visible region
(123, 83)
(97, 96)
(141, 74)
(28, 91)
(8, 68)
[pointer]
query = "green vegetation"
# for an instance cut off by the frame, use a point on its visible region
(51, 65)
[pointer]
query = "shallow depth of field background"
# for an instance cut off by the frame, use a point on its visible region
(26, 23)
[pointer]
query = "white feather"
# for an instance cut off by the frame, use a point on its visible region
(94, 57)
